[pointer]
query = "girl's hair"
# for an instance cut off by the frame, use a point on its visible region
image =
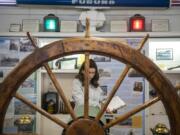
(94, 80)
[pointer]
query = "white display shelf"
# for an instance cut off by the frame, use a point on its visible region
(171, 71)
(98, 34)
(65, 71)
(7, 68)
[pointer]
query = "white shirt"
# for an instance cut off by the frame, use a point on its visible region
(95, 94)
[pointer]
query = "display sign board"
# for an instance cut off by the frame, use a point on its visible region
(68, 26)
(30, 25)
(100, 3)
(160, 25)
(119, 26)
(15, 28)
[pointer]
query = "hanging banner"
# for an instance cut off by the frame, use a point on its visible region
(100, 3)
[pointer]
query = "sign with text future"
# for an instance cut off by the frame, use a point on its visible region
(100, 3)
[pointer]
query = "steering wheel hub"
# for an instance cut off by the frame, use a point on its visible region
(84, 126)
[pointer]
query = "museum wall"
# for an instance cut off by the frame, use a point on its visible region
(15, 15)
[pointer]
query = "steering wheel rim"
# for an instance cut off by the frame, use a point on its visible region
(100, 46)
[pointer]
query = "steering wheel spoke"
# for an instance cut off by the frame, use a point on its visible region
(86, 86)
(113, 91)
(41, 111)
(60, 91)
(55, 83)
(131, 113)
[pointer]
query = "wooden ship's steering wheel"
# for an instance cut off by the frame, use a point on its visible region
(91, 45)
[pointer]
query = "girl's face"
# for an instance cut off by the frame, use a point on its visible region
(92, 72)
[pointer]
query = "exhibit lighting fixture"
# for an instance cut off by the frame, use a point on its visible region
(51, 23)
(137, 23)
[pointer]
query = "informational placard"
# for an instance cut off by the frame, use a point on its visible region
(160, 25)
(30, 25)
(15, 28)
(119, 26)
(68, 26)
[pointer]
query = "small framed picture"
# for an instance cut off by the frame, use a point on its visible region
(104, 72)
(160, 25)
(100, 58)
(9, 122)
(27, 87)
(4, 45)
(138, 86)
(119, 26)
(9, 60)
(21, 108)
(66, 63)
(14, 45)
(164, 54)
(25, 45)
(104, 89)
(51, 102)
(68, 26)
(15, 28)
(30, 25)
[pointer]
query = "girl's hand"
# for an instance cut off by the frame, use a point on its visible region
(108, 110)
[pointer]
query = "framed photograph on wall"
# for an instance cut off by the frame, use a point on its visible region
(68, 26)
(26, 45)
(14, 44)
(164, 53)
(15, 28)
(119, 26)
(100, 58)
(160, 25)
(65, 63)
(138, 86)
(4, 44)
(104, 72)
(21, 108)
(104, 89)
(29, 85)
(9, 59)
(9, 124)
(30, 25)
